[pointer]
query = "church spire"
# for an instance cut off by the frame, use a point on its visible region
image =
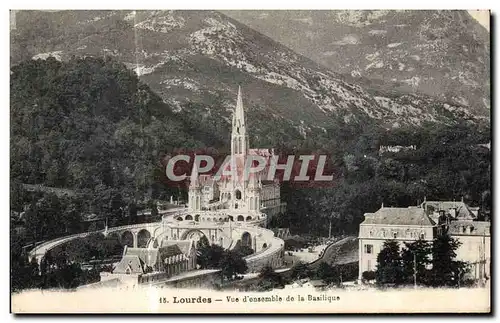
(193, 180)
(239, 114)
(239, 136)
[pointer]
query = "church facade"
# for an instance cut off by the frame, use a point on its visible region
(238, 197)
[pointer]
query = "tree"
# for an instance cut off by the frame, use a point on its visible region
(243, 250)
(368, 275)
(300, 270)
(325, 272)
(232, 264)
(269, 279)
(446, 271)
(416, 257)
(389, 267)
(209, 257)
(154, 208)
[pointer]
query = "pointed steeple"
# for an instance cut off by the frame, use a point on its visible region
(239, 115)
(193, 180)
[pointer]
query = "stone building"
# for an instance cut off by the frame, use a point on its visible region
(427, 221)
(392, 223)
(169, 259)
(460, 221)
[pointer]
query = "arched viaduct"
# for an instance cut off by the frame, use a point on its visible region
(268, 250)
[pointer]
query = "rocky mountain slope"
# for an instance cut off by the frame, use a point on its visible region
(195, 60)
(445, 54)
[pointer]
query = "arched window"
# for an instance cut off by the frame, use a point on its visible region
(246, 239)
(238, 194)
(240, 218)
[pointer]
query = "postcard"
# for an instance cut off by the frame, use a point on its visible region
(250, 161)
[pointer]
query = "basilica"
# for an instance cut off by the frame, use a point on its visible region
(236, 198)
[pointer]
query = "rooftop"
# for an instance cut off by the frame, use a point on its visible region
(130, 264)
(462, 209)
(469, 228)
(399, 216)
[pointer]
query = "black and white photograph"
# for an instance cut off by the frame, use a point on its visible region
(250, 161)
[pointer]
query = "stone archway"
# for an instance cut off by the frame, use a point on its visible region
(246, 240)
(249, 218)
(193, 235)
(240, 218)
(143, 237)
(189, 217)
(127, 239)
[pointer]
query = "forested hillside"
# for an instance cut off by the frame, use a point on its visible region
(90, 126)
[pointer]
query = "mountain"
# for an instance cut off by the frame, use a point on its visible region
(445, 54)
(195, 59)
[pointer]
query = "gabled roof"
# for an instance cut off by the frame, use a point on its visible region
(183, 245)
(469, 228)
(169, 251)
(463, 210)
(399, 216)
(130, 264)
(147, 256)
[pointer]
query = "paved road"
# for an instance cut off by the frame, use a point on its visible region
(341, 252)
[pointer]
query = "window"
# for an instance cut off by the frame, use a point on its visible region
(394, 235)
(368, 248)
(422, 235)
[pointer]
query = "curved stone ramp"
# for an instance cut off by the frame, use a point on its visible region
(338, 253)
(271, 255)
(40, 250)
